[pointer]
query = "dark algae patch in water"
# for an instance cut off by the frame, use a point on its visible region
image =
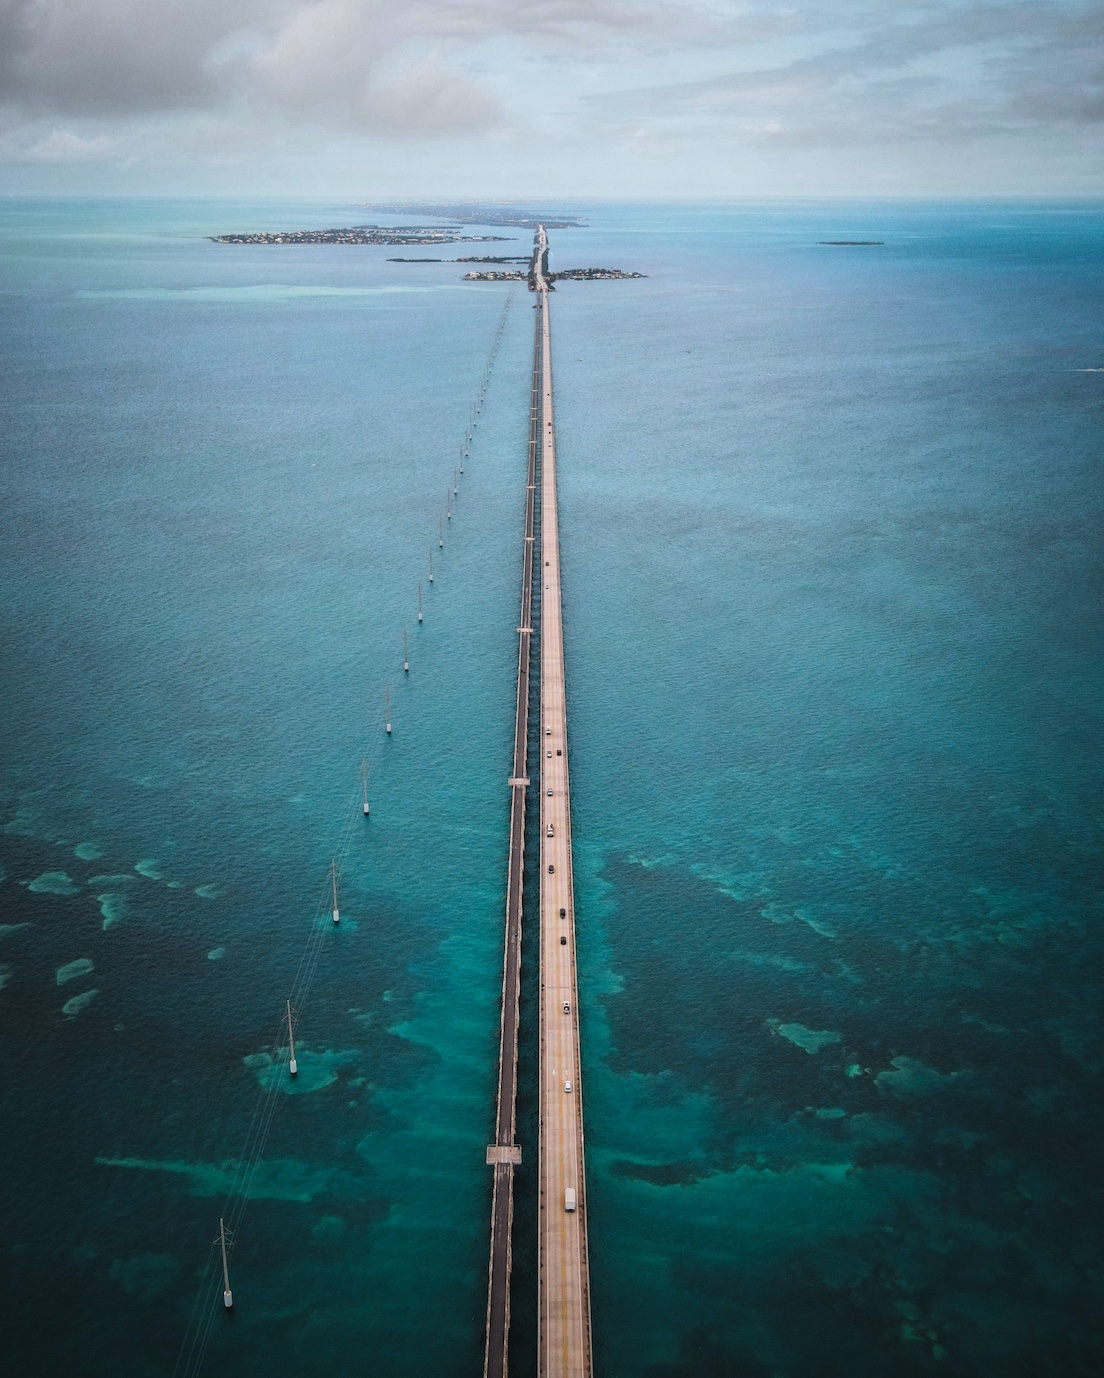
(895, 1104)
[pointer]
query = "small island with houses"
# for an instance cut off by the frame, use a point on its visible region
(568, 275)
(434, 236)
(419, 236)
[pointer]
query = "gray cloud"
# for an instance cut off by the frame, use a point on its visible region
(102, 56)
(82, 80)
(355, 62)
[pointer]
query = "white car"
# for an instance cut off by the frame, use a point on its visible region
(551, 831)
(567, 1087)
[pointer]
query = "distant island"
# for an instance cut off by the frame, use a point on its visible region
(854, 243)
(431, 236)
(482, 215)
(592, 274)
(391, 235)
(568, 275)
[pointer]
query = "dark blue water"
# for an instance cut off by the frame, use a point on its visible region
(833, 615)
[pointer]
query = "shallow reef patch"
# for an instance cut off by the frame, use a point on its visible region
(71, 970)
(78, 1003)
(316, 1070)
(53, 883)
(909, 1077)
(112, 907)
(812, 1040)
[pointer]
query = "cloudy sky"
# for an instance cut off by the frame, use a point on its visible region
(521, 98)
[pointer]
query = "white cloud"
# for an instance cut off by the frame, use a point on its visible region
(680, 83)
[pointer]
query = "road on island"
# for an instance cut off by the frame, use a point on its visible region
(564, 1337)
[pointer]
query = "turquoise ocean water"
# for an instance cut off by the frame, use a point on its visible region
(831, 551)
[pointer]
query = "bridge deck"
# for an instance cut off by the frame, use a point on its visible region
(563, 1274)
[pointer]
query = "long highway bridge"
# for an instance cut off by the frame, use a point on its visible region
(563, 1291)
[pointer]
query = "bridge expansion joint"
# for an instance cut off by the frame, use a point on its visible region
(503, 1153)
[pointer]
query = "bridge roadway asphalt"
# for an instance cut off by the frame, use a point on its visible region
(564, 1334)
(503, 1153)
